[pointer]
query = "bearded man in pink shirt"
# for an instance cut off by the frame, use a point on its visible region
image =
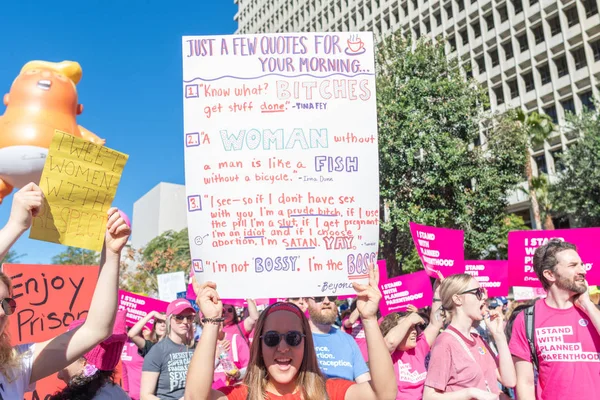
(566, 331)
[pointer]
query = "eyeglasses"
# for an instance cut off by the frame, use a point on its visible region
(180, 318)
(478, 292)
(292, 338)
(321, 298)
(9, 305)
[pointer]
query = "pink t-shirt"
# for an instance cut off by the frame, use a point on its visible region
(409, 367)
(239, 353)
(132, 370)
(236, 329)
(568, 348)
(358, 333)
(452, 369)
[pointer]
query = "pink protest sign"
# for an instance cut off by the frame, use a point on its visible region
(491, 275)
(138, 306)
(522, 246)
(403, 290)
(383, 276)
(440, 249)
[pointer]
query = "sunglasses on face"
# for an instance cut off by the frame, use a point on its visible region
(9, 306)
(292, 338)
(478, 292)
(180, 318)
(320, 299)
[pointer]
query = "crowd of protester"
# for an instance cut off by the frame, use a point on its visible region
(465, 346)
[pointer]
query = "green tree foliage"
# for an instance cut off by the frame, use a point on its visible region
(578, 191)
(12, 257)
(430, 172)
(168, 252)
(77, 256)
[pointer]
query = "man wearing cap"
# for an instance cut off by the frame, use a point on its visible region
(165, 366)
(338, 354)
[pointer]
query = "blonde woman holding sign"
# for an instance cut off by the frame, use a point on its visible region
(22, 366)
(462, 366)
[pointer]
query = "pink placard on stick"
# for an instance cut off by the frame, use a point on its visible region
(138, 306)
(440, 249)
(400, 291)
(383, 276)
(522, 246)
(491, 275)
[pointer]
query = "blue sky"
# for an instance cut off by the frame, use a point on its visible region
(130, 53)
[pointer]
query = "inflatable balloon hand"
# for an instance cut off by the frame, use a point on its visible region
(42, 100)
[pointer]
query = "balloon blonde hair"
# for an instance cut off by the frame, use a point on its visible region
(310, 380)
(9, 358)
(454, 284)
(70, 69)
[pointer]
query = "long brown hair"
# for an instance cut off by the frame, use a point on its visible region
(309, 380)
(9, 358)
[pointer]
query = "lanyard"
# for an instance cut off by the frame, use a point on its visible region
(464, 346)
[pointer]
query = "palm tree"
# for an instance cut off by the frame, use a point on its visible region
(11, 257)
(540, 186)
(537, 127)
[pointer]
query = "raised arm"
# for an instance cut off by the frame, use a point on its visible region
(252, 317)
(383, 385)
(584, 302)
(436, 321)
(397, 333)
(201, 369)
(135, 333)
(506, 369)
(55, 354)
(27, 203)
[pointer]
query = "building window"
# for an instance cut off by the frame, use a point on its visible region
(540, 161)
(559, 164)
(587, 100)
(568, 106)
(417, 31)
(561, 66)
(452, 43)
(489, 21)
(503, 11)
(572, 17)
(529, 83)
(438, 18)
(554, 26)
(448, 9)
(480, 64)
(405, 9)
(591, 7)
(538, 33)
(464, 36)
(427, 26)
(494, 57)
(518, 6)
(579, 58)
(596, 49)
(523, 45)
(499, 95)
(415, 4)
(551, 112)
(508, 50)
(532, 2)
(513, 86)
(461, 5)
(544, 71)
(476, 29)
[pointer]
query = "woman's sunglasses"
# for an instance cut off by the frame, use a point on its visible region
(188, 318)
(292, 338)
(478, 292)
(9, 305)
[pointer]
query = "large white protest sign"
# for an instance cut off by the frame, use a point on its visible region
(281, 161)
(170, 284)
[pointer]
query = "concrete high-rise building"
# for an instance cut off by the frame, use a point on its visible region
(541, 55)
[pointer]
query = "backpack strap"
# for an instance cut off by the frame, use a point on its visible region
(530, 334)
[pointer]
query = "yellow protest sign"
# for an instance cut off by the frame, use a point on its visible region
(79, 182)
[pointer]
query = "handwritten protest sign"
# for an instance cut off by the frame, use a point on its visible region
(281, 160)
(440, 249)
(138, 306)
(491, 275)
(400, 291)
(79, 182)
(527, 293)
(170, 284)
(49, 298)
(383, 276)
(523, 244)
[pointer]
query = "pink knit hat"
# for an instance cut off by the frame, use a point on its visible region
(106, 355)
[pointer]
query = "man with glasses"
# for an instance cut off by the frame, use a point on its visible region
(565, 331)
(338, 353)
